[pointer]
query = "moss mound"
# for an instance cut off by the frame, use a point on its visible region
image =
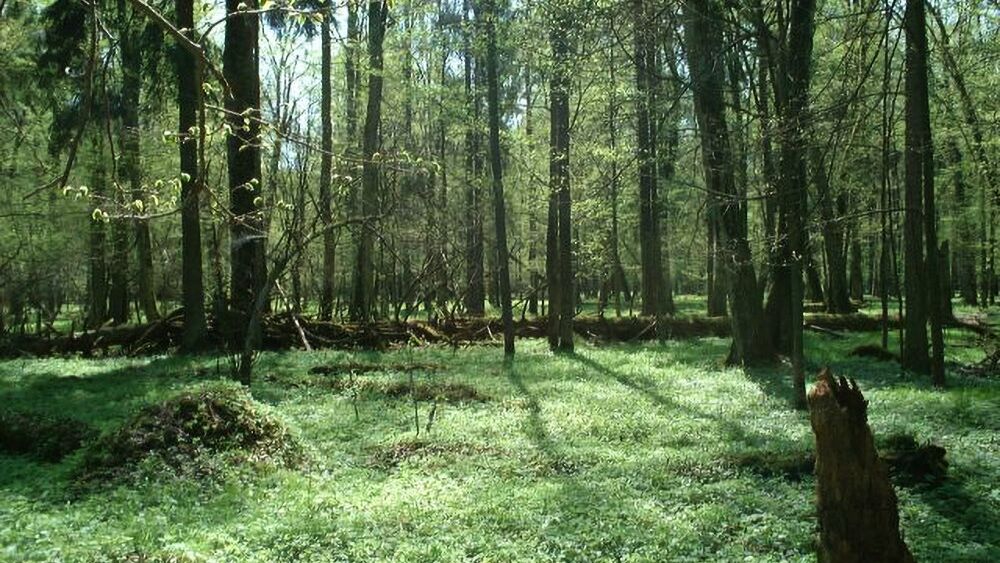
(43, 437)
(187, 431)
(912, 462)
(873, 352)
(791, 465)
(392, 455)
(452, 393)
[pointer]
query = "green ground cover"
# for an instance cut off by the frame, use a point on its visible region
(618, 453)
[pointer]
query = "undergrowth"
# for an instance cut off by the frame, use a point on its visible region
(617, 453)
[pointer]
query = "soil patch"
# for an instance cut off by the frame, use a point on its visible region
(873, 352)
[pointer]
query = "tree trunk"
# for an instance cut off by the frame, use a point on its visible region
(475, 292)
(916, 270)
(247, 230)
(118, 294)
(857, 274)
(814, 285)
(944, 258)
(858, 516)
(965, 256)
(837, 296)
(326, 170)
(499, 204)
(130, 170)
(364, 283)
(715, 272)
(564, 307)
(97, 284)
(650, 254)
(188, 102)
(916, 24)
(704, 44)
(800, 44)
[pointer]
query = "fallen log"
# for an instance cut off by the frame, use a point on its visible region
(283, 332)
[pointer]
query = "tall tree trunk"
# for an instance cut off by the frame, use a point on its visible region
(987, 166)
(563, 308)
(130, 170)
(247, 230)
(364, 283)
(965, 256)
(915, 351)
(118, 294)
(918, 109)
(857, 272)
(352, 81)
(668, 93)
(715, 272)
(496, 161)
(552, 259)
(475, 292)
(188, 102)
(326, 169)
(651, 257)
(944, 258)
(793, 172)
(837, 293)
(614, 281)
(704, 43)
(792, 63)
(97, 282)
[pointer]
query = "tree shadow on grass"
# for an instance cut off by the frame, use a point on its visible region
(101, 398)
(978, 521)
(732, 430)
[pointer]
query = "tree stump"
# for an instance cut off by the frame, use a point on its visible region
(858, 516)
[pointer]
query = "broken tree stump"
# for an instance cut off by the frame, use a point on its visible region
(858, 515)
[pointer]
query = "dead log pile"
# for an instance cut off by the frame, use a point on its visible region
(283, 332)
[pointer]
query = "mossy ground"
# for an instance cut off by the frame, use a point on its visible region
(617, 453)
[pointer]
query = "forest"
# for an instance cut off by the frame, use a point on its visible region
(499, 280)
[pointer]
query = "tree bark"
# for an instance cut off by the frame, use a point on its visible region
(650, 253)
(326, 169)
(917, 26)
(965, 256)
(564, 307)
(118, 294)
(496, 161)
(363, 309)
(97, 280)
(857, 272)
(944, 258)
(916, 269)
(475, 292)
(130, 170)
(704, 43)
(858, 514)
(837, 295)
(188, 101)
(247, 230)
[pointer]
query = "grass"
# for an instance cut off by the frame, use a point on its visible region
(617, 453)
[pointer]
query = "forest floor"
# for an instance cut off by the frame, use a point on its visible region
(623, 452)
